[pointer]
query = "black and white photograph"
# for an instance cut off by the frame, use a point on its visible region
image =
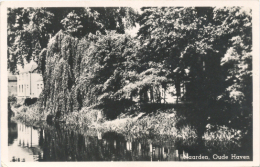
(122, 83)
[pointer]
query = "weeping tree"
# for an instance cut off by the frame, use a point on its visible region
(30, 32)
(59, 73)
(87, 71)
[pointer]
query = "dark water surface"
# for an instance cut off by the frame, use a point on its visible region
(59, 143)
(65, 143)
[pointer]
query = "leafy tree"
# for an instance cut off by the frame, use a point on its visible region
(85, 72)
(72, 23)
(27, 34)
(90, 61)
(237, 65)
(116, 18)
(108, 61)
(29, 29)
(195, 40)
(82, 70)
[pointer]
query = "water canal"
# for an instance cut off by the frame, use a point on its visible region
(60, 143)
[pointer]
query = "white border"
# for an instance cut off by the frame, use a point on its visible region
(254, 5)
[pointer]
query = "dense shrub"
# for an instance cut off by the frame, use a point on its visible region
(12, 99)
(222, 138)
(85, 117)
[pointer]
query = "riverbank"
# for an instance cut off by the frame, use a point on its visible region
(161, 123)
(29, 115)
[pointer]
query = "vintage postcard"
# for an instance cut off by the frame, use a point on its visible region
(121, 83)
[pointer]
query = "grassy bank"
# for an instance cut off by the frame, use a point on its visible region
(163, 123)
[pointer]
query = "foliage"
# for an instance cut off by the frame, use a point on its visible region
(187, 38)
(28, 33)
(236, 66)
(87, 116)
(222, 133)
(29, 29)
(160, 123)
(12, 99)
(72, 23)
(92, 62)
(84, 72)
(31, 116)
(222, 139)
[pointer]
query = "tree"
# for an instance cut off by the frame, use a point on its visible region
(108, 61)
(28, 34)
(237, 65)
(29, 29)
(81, 69)
(196, 40)
(72, 23)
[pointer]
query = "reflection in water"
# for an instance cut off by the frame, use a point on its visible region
(58, 143)
(23, 143)
(66, 145)
(12, 132)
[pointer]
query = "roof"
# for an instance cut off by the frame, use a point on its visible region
(12, 78)
(30, 67)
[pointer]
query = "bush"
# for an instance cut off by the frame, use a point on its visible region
(86, 116)
(17, 105)
(12, 99)
(221, 138)
(30, 115)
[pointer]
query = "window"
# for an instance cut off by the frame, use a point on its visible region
(37, 86)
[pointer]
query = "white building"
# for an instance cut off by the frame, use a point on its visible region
(12, 85)
(29, 82)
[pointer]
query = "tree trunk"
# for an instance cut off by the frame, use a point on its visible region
(151, 94)
(164, 98)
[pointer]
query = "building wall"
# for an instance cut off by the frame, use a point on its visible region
(29, 85)
(12, 88)
(36, 84)
(23, 84)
